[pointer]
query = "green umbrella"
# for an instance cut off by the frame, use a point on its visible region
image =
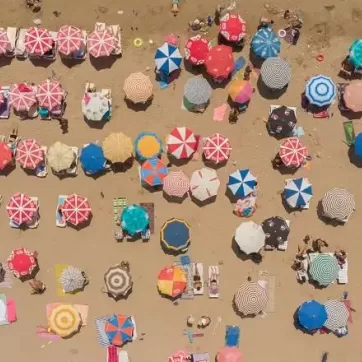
(324, 269)
(355, 53)
(134, 219)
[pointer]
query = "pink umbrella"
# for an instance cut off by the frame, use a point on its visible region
(76, 209)
(101, 43)
(172, 39)
(229, 354)
(69, 39)
(353, 96)
(29, 154)
(217, 148)
(21, 208)
(38, 41)
(50, 94)
(176, 183)
(4, 42)
(21, 97)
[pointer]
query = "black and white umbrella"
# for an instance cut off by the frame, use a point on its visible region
(251, 298)
(72, 279)
(118, 281)
(337, 315)
(338, 204)
(275, 73)
(276, 230)
(282, 121)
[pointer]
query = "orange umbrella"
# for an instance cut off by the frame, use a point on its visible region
(353, 96)
(171, 281)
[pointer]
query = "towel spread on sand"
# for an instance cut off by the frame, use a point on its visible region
(8, 282)
(82, 309)
(11, 310)
(103, 339)
(219, 112)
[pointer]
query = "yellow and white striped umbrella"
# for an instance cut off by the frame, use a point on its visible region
(138, 88)
(64, 320)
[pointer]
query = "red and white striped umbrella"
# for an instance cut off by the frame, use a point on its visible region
(69, 39)
(29, 154)
(217, 148)
(292, 152)
(49, 94)
(21, 97)
(181, 142)
(38, 41)
(76, 209)
(101, 43)
(176, 183)
(4, 42)
(21, 208)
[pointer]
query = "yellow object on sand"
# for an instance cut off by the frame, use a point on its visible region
(60, 156)
(58, 272)
(117, 147)
(64, 320)
(138, 42)
(148, 146)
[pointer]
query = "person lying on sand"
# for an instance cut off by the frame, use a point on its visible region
(318, 245)
(341, 256)
(37, 286)
(204, 322)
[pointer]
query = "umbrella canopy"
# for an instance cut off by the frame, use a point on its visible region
(119, 329)
(251, 298)
(324, 269)
(72, 279)
(312, 315)
(117, 147)
(92, 158)
(338, 204)
(6, 156)
(21, 208)
(298, 192)
(204, 184)
(275, 73)
(60, 156)
(168, 58)
(29, 154)
(240, 91)
(276, 231)
(95, 106)
(352, 96)
(69, 39)
(292, 152)
(175, 235)
(22, 97)
(219, 61)
(355, 53)
(171, 281)
(138, 88)
(76, 209)
(250, 237)
(282, 121)
(147, 145)
(242, 183)
(101, 43)
(153, 172)
(181, 143)
(22, 262)
(64, 320)
(358, 145)
(229, 354)
(320, 90)
(50, 94)
(5, 45)
(337, 315)
(38, 41)
(232, 27)
(196, 49)
(217, 148)
(134, 219)
(265, 44)
(118, 281)
(176, 183)
(197, 91)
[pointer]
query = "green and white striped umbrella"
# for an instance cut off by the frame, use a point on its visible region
(324, 269)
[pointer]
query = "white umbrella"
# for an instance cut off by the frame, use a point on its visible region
(250, 237)
(204, 184)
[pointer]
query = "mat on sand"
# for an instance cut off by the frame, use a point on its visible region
(58, 271)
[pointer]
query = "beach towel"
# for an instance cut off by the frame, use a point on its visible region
(189, 291)
(119, 203)
(219, 112)
(58, 271)
(82, 309)
(3, 310)
(11, 311)
(112, 354)
(238, 64)
(43, 332)
(150, 207)
(349, 133)
(100, 328)
(8, 281)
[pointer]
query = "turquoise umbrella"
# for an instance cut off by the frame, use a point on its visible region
(134, 219)
(355, 53)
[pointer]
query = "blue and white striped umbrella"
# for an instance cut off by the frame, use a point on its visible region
(298, 192)
(320, 90)
(168, 58)
(242, 183)
(265, 44)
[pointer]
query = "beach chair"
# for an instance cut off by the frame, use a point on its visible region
(12, 34)
(119, 203)
(198, 278)
(232, 336)
(116, 31)
(213, 282)
(20, 51)
(42, 170)
(82, 53)
(200, 357)
(59, 218)
(36, 220)
(108, 94)
(5, 107)
(53, 53)
(343, 273)
(74, 170)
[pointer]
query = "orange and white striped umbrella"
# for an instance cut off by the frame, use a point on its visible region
(101, 43)
(50, 94)
(64, 320)
(38, 41)
(69, 39)
(138, 88)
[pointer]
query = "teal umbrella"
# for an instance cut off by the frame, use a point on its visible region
(355, 53)
(134, 219)
(324, 269)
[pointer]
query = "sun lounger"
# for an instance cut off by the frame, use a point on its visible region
(213, 276)
(200, 357)
(42, 170)
(108, 94)
(343, 273)
(100, 26)
(36, 220)
(3, 310)
(59, 219)
(232, 336)
(20, 51)
(74, 170)
(119, 203)
(116, 31)
(5, 107)
(134, 336)
(123, 356)
(198, 278)
(12, 34)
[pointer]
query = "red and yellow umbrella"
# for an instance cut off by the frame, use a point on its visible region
(171, 281)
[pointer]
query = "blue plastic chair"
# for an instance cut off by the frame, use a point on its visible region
(232, 336)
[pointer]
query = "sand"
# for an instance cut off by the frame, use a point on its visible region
(93, 249)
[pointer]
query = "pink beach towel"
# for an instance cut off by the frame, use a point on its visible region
(219, 112)
(112, 354)
(11, 310)
(43, 332)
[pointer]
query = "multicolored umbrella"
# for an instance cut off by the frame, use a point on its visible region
(38, 41)
(298, 192)
(118, 281)
(50, 94)
(29, 154)
(312, 315)
(72, 279)
(282, 121)
(242, 183)
(119, 329)
(138, 88)
(251, 298)
(176, 235)
(117, 147)
(338, 204)
(320, 90)
(6, 156)
(134, 219)
(153, 172)
(355, 53)
(92, 158)
(76, 209)
(64, 320)
(352, 96)
(204, 184)
(249, 237)
(275, 73)
(217, 148)
(21, 208)
(22, 97)
(265, 44)
(292, 152)
(147, 145)
(232, 27)
(240, 91)
(60, 156)
(176, 183)
(229, 354)
(69, 39)
(5, 45)
(181, 143)
(101, 43)
(337, 315)
(276, 231)
(196, 49)
(219, 62)
(168, 58)
(22, 262)
(197, 92)
(171, 281)
(95, 106)
(324, 269)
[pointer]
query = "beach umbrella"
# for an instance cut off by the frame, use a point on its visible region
(171, 281)
(50, 94)
(101, 43)
(134, 219)
(298, 192)
(147, 145)
(217, 148)
(337, 315)
(29, 154)
(69, 39)
(138, 88)
(76, 209)
(22, 262)
(229, 354)
(176, 183)
(64, 320)
(276, 231)
(265, 44)
(251, 298)
(292, 152)
(320, 90)
(60, 156)
(197, 91)
(196, 49)
(175, 235)
(312, 315)
(38, 41)
(240, 91)
(324, 269)
(5, 45)
(119, 329)
(358, 145)
(219, 61)
(72, 279)
(21, 208)
(95, 106)
(232, 27)
(92, 158)
(355, 53)
(181, 143)
(168, 58)
(282, 121)
(117, 147)
(352, 96)
(118, 281)
(6, 156)
(153, 172)
(275, 73)
(22, 97)
(338, 204)
(249, 237)
(204, 184)
(242, 183)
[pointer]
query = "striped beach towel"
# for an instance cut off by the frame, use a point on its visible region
(112, 354)
(8, 281)
(189, 291)
(101, 334)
